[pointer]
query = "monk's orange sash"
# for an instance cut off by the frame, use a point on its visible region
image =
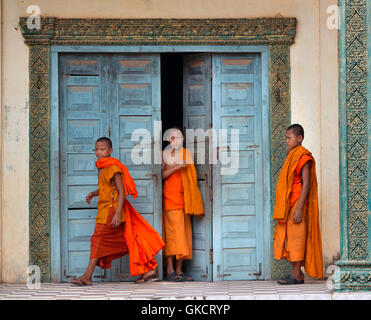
(141, 238)
(193, 204)
(313, 263)
(129, 184)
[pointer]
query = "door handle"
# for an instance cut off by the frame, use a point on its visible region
(204, 176)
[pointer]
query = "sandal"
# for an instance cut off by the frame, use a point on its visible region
(174, 277)
(146, 279)
(285, 277)
(290, 280)
(79, 282)
(185, 276)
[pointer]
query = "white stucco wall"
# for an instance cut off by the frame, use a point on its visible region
(314, 78)
(329, 138)
(15, 155)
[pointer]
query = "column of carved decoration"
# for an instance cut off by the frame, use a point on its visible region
(355, 264)
(39, 159)
(279, 67)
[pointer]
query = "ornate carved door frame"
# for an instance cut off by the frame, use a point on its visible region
(277, 33)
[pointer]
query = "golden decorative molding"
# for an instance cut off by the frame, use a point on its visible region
(58, 31)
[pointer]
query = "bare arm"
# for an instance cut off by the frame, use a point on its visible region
(305, 174)
(168, 170)
(116, 220)
(91, 195)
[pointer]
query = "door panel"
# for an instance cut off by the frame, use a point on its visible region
(238, 197)
(197, 115)
(135, 99)
(83, 119)
(105, 95)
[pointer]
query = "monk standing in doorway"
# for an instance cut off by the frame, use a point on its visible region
(181, 199)
(119, 228)
(297, 236)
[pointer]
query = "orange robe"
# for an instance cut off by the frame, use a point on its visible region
(176, 225)
(135, 236)
(181, 198)
(302, 241)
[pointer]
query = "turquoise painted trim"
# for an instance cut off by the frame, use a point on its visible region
(159, 49)
(369, 122)
(267, 176)
(54, 142)
(55, 220)
(343, 166)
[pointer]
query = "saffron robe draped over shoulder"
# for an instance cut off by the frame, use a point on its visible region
(108, 194)
(313, 261)
(140, 239)
(193, 204)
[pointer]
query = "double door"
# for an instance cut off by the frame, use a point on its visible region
(115, 94)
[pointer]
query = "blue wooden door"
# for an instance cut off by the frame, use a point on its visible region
(105, 95)
(134, 96)
(238, 194)
(197, 115)
(84, 117)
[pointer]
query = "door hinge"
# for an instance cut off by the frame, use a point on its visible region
(257, 274)
(211, 256)
(210, 75)
(210, 193)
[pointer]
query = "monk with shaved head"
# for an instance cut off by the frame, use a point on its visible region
(297, 236)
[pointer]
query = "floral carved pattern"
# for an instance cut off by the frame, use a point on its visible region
(356, 128)
(39, 159)
(162, 31)
(280, 119)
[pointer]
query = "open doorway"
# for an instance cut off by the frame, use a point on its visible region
(171, 91)
(186, 103)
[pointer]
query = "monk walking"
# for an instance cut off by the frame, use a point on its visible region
(119, 229)
(181, 199)
(297, 236)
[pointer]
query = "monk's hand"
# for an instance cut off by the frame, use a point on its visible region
(116, 220)
(89, 197)
(182, 164)
(298, 215)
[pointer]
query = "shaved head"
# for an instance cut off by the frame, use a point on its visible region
(296, 129)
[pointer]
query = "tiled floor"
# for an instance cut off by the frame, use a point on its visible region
(239, 290)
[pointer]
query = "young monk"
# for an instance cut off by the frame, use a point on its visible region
(297, 236)
(119, 229)
(181, 198)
